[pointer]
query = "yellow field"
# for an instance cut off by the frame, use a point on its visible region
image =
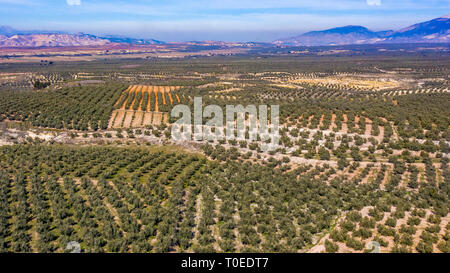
(352, 82)
(126, 117)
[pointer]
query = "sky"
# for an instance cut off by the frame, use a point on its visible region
(225, 20)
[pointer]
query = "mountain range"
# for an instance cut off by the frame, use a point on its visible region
(51, 40)
(10, 37)
(433, 31)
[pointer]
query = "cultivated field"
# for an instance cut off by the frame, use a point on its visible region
(142, 105)
(362, 158)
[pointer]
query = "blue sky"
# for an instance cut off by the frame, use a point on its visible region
(228, 20)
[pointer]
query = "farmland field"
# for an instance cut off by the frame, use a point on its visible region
(362, 157)
(153, 199)
(78, 108)
(141, 103)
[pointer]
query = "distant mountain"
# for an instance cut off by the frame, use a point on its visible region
(435, 31)
(10, 37)
(9, 31)
(336, 36)
(51, 40)
(125, 40)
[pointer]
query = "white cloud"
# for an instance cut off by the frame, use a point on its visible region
(73, 2)
(373, 2)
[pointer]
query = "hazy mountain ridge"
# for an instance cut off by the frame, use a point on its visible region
(10, 31)
(51, 40)
(436, 30)
(126, 40)
(10, 37)
(336, 36)
(433, 31)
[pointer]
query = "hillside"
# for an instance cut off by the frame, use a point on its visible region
(10, 37)
(437, 30)
(51, 40)
(336, 36)
(433, 31)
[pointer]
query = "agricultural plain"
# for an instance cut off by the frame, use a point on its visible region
(87, 155)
